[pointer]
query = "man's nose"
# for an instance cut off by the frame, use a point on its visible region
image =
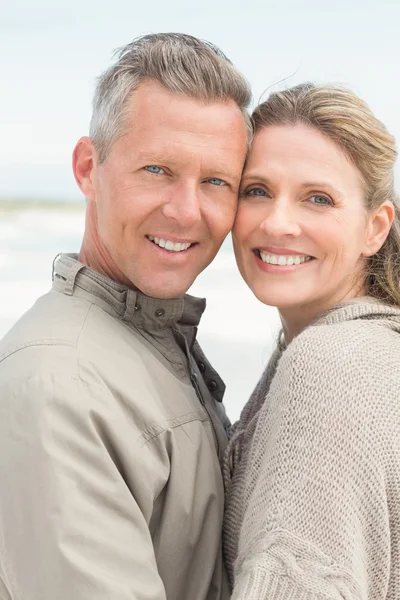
(183, 204)
(281, 220)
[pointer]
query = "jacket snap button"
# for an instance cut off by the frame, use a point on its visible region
(202, 367)
(137, 307)
(160, 312)
(212, 386)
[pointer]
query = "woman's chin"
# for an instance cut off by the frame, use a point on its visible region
(278, 300)
(277, 296)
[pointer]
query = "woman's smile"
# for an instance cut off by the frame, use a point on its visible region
(283, 261)
(301, 225)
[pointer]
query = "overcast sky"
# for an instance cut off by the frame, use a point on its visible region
(52, 52)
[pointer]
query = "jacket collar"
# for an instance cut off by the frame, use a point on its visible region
(73, 278)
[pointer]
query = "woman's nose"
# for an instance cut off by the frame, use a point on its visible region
(281, 221)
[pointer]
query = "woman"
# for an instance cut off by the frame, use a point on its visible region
(313, 468)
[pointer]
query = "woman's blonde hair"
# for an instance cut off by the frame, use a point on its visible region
(339, 114)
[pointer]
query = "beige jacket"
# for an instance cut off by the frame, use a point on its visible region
(109, 441)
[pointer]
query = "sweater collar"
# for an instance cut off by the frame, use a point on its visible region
(364, 307)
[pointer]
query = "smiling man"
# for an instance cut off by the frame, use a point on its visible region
(111, 422)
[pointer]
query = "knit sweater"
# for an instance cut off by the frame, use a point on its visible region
(312, 472)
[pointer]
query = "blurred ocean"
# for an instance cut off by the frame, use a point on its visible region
(237, 332)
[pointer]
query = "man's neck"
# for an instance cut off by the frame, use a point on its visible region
(99, 260)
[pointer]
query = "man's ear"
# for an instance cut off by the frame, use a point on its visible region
(84, 162)
(379, 224)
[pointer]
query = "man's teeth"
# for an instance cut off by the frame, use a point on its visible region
(168, 245)
(284, 261)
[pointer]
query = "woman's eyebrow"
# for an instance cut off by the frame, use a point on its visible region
(317, 184)
(322, 185)
(259, 178)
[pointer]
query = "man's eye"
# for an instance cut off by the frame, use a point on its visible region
(255, 192)
(154, 169)
(321, 200)
(216, 181)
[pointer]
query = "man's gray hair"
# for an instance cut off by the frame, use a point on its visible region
(183, 64)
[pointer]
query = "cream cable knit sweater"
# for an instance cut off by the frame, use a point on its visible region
(313, 470)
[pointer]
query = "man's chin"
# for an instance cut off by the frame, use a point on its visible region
(164, 290)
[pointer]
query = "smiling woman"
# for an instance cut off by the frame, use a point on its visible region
(317, 205)
(303, 224)
(313, 469)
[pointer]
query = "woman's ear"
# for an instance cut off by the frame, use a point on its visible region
(84, 160)
(379, 223)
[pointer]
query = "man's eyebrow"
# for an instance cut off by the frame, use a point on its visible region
(223, 172)
(154, 158)
(165, 158)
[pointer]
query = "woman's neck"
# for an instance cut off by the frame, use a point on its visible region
(296, 318)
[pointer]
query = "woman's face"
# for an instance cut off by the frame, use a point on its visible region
(301, 225)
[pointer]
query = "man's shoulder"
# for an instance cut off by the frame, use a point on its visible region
(70, 336)
(54, 320)
(44, 339)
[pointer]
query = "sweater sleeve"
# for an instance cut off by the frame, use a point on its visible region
(315, 525)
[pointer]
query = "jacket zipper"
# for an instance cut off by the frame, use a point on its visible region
(195, 384)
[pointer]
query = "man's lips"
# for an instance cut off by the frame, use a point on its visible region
(172, 244)
(171, 238)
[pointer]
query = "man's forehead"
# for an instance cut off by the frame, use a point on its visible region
(154, 106)
(180, 155)
(177, 147)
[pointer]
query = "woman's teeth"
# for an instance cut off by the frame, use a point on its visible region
(168, 245)
(282, 260)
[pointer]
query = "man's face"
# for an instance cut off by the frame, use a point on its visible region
(166, 196)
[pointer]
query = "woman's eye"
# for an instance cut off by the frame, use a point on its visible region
(154, 169)
(321, 200)
(259, 192)
(216, 181)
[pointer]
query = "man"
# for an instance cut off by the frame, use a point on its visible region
(111, 423)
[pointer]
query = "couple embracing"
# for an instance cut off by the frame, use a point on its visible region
(121, 476)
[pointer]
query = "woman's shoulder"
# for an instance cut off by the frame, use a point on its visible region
(360, 337)
(352, 364)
